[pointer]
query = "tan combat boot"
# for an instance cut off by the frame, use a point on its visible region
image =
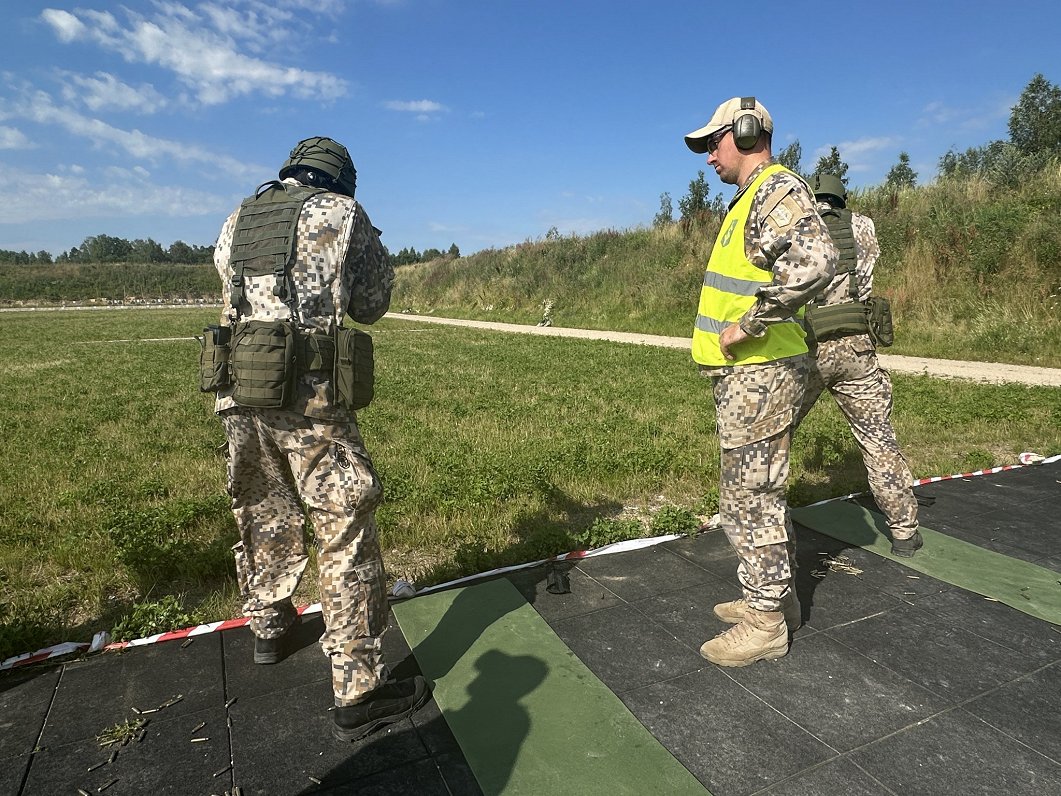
(733, 611)
(760, 636)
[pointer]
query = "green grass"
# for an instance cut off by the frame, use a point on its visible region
(493, 449)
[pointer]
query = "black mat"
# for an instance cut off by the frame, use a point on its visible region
(896, 684)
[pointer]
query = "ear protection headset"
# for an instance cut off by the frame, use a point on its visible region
(748, 126)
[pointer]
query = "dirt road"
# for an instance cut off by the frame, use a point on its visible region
(986, 372)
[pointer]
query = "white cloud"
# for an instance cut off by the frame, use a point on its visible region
(53, 197)
(967, 119)
(859, 154)
(867, 146)
(38, 107)
(437, 226)
(67, 27)
(201, 49)
(104, 91)
(857, 148)
(415, 106)
(12, 138)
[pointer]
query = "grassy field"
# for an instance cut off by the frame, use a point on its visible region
(493, 449)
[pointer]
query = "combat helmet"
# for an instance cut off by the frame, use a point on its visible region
(326, 156)
(829, 185)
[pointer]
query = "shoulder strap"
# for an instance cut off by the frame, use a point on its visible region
(838, 220)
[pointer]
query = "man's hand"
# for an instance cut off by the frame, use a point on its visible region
(732, 335)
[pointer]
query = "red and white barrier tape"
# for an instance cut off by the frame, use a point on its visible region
(99, 641)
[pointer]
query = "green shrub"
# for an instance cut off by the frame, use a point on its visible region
(674, 520)
(607, 530)
(148, 618)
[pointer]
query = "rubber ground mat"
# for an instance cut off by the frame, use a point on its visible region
(1019, 584)
(529, 716)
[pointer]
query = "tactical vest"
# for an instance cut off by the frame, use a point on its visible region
(847, 318)
(263, 241)
(731, 282)
(838, 220)
(263, 360)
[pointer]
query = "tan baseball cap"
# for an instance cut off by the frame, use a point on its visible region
(725, 115)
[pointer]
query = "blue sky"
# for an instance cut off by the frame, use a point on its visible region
(483, 124)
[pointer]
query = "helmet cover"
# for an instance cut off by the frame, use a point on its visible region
(324, 155)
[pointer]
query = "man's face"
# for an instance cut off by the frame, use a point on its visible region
(724, 157)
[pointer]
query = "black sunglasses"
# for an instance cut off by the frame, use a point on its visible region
(716, 138)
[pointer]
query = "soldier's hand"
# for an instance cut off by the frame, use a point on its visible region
(732, 335)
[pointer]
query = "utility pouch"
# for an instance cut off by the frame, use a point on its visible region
(264, 367)
(879, 316)
(354, 375)
(836, 320)
(214, 372)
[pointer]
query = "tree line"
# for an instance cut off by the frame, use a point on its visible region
(97, 249)
(409, 255)
(109, 249)
(1034, 140)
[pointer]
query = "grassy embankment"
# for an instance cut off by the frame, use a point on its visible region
(973, 272)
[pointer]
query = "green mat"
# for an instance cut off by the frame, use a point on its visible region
(1027, 587)
(528, 715)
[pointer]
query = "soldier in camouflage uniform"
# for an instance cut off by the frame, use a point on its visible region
(310, 453)
(771, 256)
(844, 362)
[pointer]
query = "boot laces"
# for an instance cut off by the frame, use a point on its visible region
(738, 634)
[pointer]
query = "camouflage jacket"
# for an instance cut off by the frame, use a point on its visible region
(867, 251)
(790, 240)
(340, 268)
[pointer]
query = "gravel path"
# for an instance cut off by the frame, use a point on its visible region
(986, 372)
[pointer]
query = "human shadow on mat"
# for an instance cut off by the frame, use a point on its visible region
(466, 619)
(494, 716)
(492, 722)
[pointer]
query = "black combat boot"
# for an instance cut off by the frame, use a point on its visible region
(390, 703)
(270, 650)
(907, 547)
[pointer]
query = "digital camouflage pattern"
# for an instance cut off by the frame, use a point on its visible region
(755, 407)
(312, 454)
(332, 473)
(340, 267)
(848, 368)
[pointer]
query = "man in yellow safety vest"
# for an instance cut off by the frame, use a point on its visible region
(772, 255)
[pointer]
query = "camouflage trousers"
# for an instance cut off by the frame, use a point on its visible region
(755, 406)
(280, 461)
(848, 368)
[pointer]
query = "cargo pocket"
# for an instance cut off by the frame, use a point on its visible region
(360, 484)
(764, 470)
(373, 597)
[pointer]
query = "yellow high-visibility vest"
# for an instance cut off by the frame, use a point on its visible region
(730, 285)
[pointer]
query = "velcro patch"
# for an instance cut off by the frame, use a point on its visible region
(785, 214)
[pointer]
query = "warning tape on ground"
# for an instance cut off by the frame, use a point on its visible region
(100, 640)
